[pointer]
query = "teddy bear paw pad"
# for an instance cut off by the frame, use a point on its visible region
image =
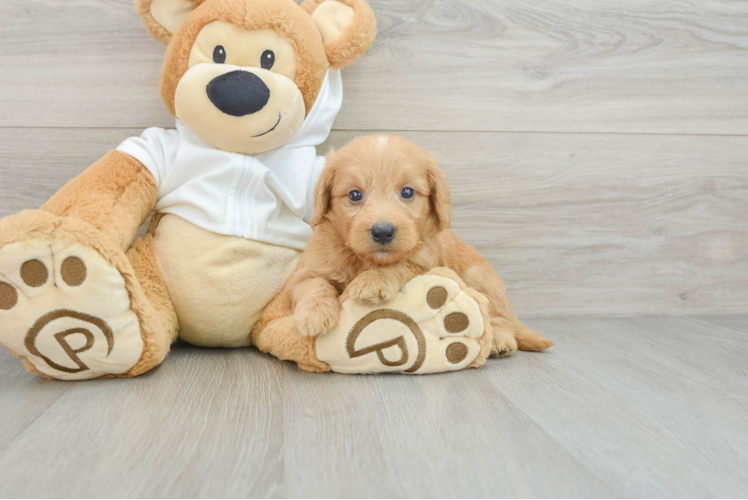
(432, 326)
(66, 310)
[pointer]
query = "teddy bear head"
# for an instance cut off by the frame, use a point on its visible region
(243, 74)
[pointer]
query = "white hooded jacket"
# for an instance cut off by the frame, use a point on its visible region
(266, 197)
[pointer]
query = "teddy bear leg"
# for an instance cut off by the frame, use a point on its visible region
(159, 326)
(435, 324)
(72, 304)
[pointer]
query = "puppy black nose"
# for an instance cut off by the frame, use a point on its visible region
(383, 233)
(238, 93)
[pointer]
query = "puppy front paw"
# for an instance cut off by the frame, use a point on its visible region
(372, 288)
(315, 321)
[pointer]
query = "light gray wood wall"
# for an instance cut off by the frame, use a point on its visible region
(598, 151)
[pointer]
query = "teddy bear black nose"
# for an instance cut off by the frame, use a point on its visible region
(383, 233)
(238, 93)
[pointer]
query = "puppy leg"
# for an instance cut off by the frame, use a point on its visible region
(275, 334)
(278, 338)
(378, 286)
(504, 339)
(317, 309)
(478, 274)
(505, 323)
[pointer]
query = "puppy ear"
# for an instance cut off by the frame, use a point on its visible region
(440, 197)
(323, 190)
(348, 28)
(162, 18)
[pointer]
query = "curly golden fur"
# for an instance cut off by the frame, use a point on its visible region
(343, 261)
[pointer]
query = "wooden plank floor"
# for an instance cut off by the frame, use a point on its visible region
(637, 407)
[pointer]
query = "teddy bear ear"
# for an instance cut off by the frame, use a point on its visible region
(348, 28)
(162, 18)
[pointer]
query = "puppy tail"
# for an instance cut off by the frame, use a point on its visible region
(528, 340)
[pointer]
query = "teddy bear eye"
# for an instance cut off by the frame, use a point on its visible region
(355, 196)
(268, 59)
(219, 55)
(407, 193)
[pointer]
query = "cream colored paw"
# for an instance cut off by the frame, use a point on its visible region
(431, 326)
(65, 309)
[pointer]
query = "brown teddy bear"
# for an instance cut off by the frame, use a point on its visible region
(255, 87)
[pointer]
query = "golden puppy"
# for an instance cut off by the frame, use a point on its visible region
(381, 217)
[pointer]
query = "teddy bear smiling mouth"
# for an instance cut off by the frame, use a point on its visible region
(274, 127)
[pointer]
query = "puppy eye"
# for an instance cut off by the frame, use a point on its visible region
(355, 196)
(268, 59)
(219, 55)
(407, 193)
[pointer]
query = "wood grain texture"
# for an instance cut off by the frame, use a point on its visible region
(634, 407)
(23, 399)
(206, 423)
(738, 324)
(616, 225)
(472, 65)
(445, 436)
(635, 401)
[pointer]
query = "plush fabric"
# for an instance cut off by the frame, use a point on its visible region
(157, 308)
(355, 40)
(333, 18)
(154, 27)
(78, 301)
(73, 344)
(114, 195)
(283, 16)
(433, 326)
(244, 49)
(267, 197)
(48, 238)
(219, 285)
(238, 93)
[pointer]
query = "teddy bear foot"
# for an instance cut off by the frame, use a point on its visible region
(434, 325)
(64, 309)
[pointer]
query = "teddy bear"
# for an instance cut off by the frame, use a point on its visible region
(254, 86)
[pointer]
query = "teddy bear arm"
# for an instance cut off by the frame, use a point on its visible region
(115, 195)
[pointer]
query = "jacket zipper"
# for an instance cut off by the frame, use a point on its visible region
(240, 206)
